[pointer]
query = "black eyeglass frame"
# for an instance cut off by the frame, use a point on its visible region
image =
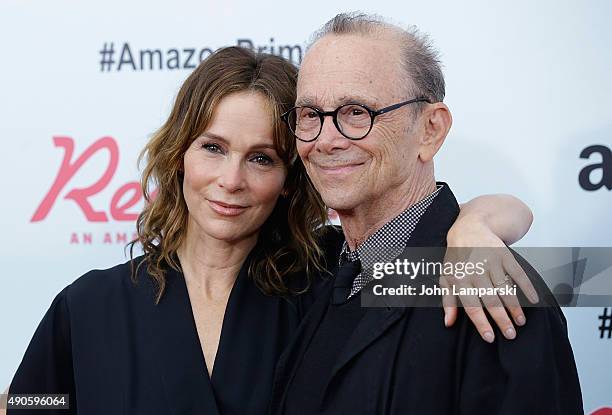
(334, 115)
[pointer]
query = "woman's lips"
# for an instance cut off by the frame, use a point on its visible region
(226, 209)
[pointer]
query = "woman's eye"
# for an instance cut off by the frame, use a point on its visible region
(213, 148)
(262, 159)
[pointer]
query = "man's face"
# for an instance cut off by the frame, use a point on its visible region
(365, 70)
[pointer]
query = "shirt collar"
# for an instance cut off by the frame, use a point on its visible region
(390, 240)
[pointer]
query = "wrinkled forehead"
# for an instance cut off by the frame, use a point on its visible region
(342, 68)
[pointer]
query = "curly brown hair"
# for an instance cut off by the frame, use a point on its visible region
(290, 233)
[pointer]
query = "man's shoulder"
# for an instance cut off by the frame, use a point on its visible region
(545, 295)
(330, 236)
(330, 239)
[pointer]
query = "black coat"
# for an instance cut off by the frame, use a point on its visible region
(104, 342)
(404, 361)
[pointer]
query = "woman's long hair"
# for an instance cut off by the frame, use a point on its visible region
(288, 240)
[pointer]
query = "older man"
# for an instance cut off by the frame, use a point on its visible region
(369, 119)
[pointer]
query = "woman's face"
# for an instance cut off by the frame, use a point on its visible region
(232, 173)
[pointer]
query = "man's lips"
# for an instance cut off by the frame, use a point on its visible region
(338, 168)
(226, 209)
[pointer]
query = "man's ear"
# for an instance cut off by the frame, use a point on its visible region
(437, 121)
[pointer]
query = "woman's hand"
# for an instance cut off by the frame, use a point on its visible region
(478, 236)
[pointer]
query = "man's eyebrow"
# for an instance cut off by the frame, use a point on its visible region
(305, 101)
(345, 99)
(357, 99)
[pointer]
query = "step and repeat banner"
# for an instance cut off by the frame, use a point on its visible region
(84, 85)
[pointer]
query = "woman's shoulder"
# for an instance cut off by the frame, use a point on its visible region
(102, 278)
(120, 281)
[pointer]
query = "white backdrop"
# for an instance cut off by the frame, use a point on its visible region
(528, 84)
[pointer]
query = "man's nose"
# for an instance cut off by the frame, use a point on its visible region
(231, 175)
(330, 139)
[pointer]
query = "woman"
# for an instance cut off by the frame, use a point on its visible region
(235, 231)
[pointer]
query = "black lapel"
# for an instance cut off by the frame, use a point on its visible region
(288, 363)
(373, 325)
(290, 360)
(430, 232)
(437, 220)
(179, 355)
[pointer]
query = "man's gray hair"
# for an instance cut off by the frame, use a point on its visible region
(419, 59)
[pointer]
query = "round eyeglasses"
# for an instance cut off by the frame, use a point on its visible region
(354, 121)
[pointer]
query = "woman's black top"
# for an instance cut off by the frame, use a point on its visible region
(107, 344)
